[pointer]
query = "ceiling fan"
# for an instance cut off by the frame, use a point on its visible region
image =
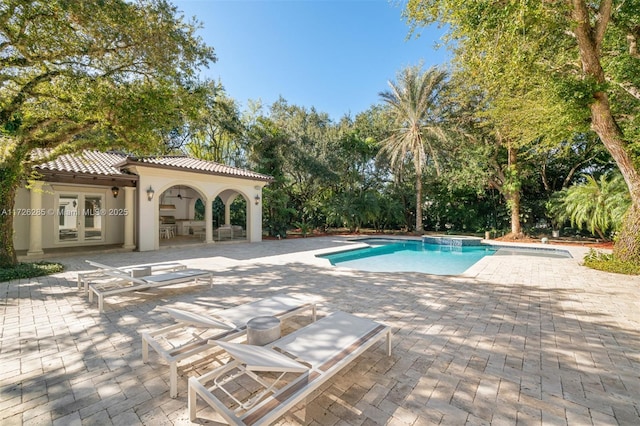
(179, 196)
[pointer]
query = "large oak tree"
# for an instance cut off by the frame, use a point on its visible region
(80, 73)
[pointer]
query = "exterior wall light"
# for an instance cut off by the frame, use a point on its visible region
(150, 193)
(115, 191)
(257, 198)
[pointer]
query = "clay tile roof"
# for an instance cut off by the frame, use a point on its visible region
(114, 164)
(197, 165)
(86, 162)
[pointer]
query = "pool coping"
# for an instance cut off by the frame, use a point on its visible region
(483, 242)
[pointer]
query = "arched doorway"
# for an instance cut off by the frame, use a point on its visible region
(181, 216)
(229, 216)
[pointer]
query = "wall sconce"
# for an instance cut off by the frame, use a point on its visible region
(115, 191)
(257, 198)
(150, 193)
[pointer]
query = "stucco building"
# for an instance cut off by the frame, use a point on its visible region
(113, 199)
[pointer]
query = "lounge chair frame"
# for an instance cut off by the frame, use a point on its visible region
(271, 408)
(122, 282)
(98, 275)
(281, 306)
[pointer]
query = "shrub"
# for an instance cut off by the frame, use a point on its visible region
(30, 270)
(305, 228)
(608, 263)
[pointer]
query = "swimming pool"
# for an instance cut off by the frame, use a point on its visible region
(389, 255)
(410, 256)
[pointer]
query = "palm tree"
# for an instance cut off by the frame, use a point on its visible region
(599, 205)
(414, 104)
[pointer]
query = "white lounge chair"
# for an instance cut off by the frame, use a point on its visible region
(174, 343)
(296, 365)
(123, 282)
(96, 275)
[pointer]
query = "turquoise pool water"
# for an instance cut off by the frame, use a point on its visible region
(410, 256)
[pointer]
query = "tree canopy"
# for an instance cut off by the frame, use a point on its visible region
(74, 74)
(583, 58)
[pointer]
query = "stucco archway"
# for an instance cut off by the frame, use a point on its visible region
(178, 221)
(231, 213)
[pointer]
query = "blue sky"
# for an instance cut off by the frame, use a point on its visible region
(334, 55)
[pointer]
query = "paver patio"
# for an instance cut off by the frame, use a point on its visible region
(518, 340)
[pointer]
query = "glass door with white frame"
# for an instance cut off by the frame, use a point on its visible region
(80, 217)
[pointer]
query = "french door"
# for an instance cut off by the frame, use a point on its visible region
(80, 218)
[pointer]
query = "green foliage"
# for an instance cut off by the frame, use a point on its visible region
(95, 69)
(100, 74)
(216, 131)
(389, 212)
(579, 92)
(415, 106)
(319, 166)
(512, 181)
(463, 209)
(609, 263)
(29, 270)
(353, 210)
(305, 228)
(546, 69)
(268, 146)
(238, 211)
(419, 131)
(596, 204)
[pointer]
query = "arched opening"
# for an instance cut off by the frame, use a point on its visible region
(199, 210)
(229, 216)
(181, 216)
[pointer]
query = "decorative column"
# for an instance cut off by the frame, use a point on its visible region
(208, 221)
(129, 205)
(255, 218)
(227, 211)
(35, 220)
(147, 213)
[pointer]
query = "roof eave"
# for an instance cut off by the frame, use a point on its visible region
(134, 162)
(63, 176)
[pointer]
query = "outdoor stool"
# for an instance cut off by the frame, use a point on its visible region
(263, 330)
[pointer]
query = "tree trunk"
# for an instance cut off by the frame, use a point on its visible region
(10, 174)
(514, 204)
(418, 202)
(628, 240)
(7, 252)
(514, 197)
(512, 192)
(604, 124)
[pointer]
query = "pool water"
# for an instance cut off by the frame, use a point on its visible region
(410, 256)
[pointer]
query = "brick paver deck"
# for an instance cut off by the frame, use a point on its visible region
(518, 340)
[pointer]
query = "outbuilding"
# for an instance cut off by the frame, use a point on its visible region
(112, 199)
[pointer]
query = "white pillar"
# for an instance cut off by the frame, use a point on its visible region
(35, 220)
(208, 221)
(227, 212)
(129, 204)
(147, 213)
(255, 221)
